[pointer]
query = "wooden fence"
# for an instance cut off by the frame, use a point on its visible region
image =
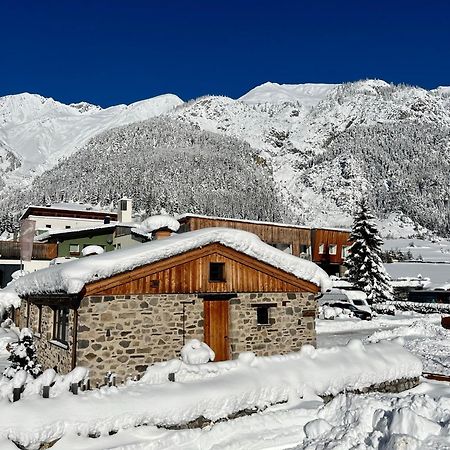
(11, 250)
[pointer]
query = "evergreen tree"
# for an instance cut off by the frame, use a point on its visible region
(365, 268)
(23, 356)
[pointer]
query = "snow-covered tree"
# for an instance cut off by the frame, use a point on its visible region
(365, 268)
(23, 355)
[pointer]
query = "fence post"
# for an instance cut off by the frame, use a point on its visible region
(74, 388)
(45, 391)
(16, 394)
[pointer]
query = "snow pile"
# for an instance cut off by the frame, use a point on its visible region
(247, 383)
(8, 333)
(159, 221)
(9, 298)
(411, 422)
(429, 341)
(92, 250)
(331, 312)
(71, 277)
(196, 352)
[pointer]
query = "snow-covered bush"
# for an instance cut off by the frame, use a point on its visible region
(196, 352)
(23, 356)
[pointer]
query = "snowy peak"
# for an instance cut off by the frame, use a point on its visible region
(39, 131)
(307, 94)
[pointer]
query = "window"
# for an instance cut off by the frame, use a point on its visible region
(332, 249)
(67, 227)
(61, 324)
(321, 249)
(123, 205)
(74, 249)
(262, 315)
(48, 226)
(345, 251)
(216, 272)
(304, 248)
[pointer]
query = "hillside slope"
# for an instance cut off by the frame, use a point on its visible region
(162, 163)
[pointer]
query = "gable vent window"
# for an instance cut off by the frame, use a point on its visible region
(262, 315)
(216, 272)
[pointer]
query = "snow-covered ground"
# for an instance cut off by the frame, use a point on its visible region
(422, 335)
(416, 419)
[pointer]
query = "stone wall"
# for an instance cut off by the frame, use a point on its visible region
(292, 323)
(126, 333)
(50, 353)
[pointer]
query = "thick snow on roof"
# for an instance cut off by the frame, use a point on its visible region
(157, 222)
(58, 232)
(72, 276)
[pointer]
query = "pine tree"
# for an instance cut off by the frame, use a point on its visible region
(365, 268)
(23, 356)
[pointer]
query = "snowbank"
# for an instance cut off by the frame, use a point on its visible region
(8, 298)
(213, 390)
(92, 250)
(157, 222)
(72, 276)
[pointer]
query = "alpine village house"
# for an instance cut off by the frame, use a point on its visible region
(124, 310)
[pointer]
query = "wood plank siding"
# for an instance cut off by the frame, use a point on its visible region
(189, 273)
(11, 250)
(296, 237)
(327, 238)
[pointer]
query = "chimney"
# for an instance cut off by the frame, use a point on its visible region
(124, 210)
(161, 233)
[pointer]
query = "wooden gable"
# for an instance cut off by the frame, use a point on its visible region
(189, 273)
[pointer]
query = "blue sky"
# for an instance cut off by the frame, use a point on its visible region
(110, 51)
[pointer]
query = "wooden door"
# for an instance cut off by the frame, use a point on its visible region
(216, 327)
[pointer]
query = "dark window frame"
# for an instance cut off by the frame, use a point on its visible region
(61, 324)
(217, 272)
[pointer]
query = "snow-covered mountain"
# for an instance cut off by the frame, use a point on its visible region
(35, 132)
(325, 144)
(308, 94)
(307, 144)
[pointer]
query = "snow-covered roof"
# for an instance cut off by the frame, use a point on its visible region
(260, 222)
(411, 282)
(71, 277)
(59, 232)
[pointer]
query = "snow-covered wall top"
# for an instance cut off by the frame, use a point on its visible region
(159, 221)
(71, 277)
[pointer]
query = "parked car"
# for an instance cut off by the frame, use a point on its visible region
(359, 313)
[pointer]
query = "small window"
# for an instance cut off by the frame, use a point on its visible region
(345, 252)
(216, 272)
(67, 227)
(48, 226)
(74, 249)
(61, 324)
(286, 248)
(262, 315)
(332, 249)
(304, 248)
(321, 249)
(123, 205)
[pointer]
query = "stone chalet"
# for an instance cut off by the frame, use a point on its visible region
(123, 310)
